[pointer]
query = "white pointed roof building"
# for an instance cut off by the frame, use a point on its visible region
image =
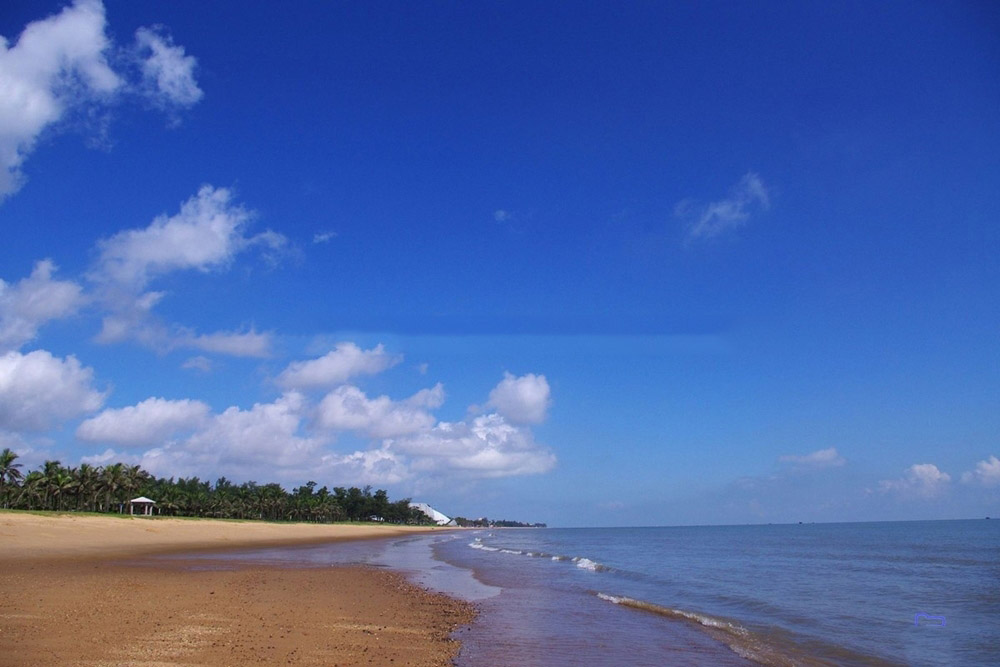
(437, 517)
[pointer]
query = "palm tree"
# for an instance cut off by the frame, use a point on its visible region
(112, 479)
(61, 485)
(9, 472)
(32, 491)
(133, 477)
(49, 470)
(88, 480)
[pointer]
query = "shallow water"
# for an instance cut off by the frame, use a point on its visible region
(921, 593)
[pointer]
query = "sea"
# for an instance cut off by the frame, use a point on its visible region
(886, 593)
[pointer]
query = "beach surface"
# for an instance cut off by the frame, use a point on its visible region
(83, 590)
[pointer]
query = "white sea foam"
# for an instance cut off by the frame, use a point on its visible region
(478, 544)
(735, 636)
(587, 564)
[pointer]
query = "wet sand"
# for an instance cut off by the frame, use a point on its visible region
(79, 591)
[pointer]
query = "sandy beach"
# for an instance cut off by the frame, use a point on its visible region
(77, 590)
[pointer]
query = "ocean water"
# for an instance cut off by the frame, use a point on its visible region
(914, 593)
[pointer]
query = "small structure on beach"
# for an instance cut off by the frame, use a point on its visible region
(144, 503)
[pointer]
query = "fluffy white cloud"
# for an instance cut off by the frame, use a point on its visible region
(987, 473)
(347, 408)
(168, 74)
(38, 390)
(242, 443)
(725, 215)
(486, 447)
(523, 400)
(374, 466)
(821, 458)
(57, 62)
(33, 301)
(148, 423)
(428, 398)
(345, 361)
(207, 233)
(921, 479)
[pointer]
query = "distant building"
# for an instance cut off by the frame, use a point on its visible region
(437, 517)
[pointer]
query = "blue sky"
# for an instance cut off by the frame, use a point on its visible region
(568, 262)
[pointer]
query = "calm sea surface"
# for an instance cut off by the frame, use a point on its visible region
(917, 593)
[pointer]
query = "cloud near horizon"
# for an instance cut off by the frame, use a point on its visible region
(987, 473)
(821, 458)
(293, 438)
(39, 391)
(922, 480)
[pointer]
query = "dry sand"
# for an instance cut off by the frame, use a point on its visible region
(65, 599)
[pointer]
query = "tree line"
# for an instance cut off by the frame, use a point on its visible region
(109, 488)
(484, 522)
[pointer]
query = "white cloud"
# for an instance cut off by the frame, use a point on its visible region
(987, 473)
(428, 398)
(523, 400)
(109, 456)
(821, 458)
(57, 63)
(345, 361)
(242, 443)
(347, 408)
(249, 344)
(374, 466)
(198, 363)
(148, 423)
(206, 234)
(266, 443)
(486, 447)
(324, 237)
(725, 215)
(921, 479)
(167, 73)
(33, 301)
(501, 215)
(38, 390)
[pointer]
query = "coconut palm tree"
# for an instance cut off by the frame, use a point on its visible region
(9, 472)
(112, 480)
(49, 471)
(133, 477)
(88, 485)
(32, 491)
(61, 485)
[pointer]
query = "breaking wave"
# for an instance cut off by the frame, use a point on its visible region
(579, 561)
(741, 641)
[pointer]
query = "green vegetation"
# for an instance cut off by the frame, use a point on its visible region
(108, 489)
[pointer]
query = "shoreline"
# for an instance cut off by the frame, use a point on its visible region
(68, 597)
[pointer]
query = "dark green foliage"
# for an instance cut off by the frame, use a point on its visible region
(109, 488)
